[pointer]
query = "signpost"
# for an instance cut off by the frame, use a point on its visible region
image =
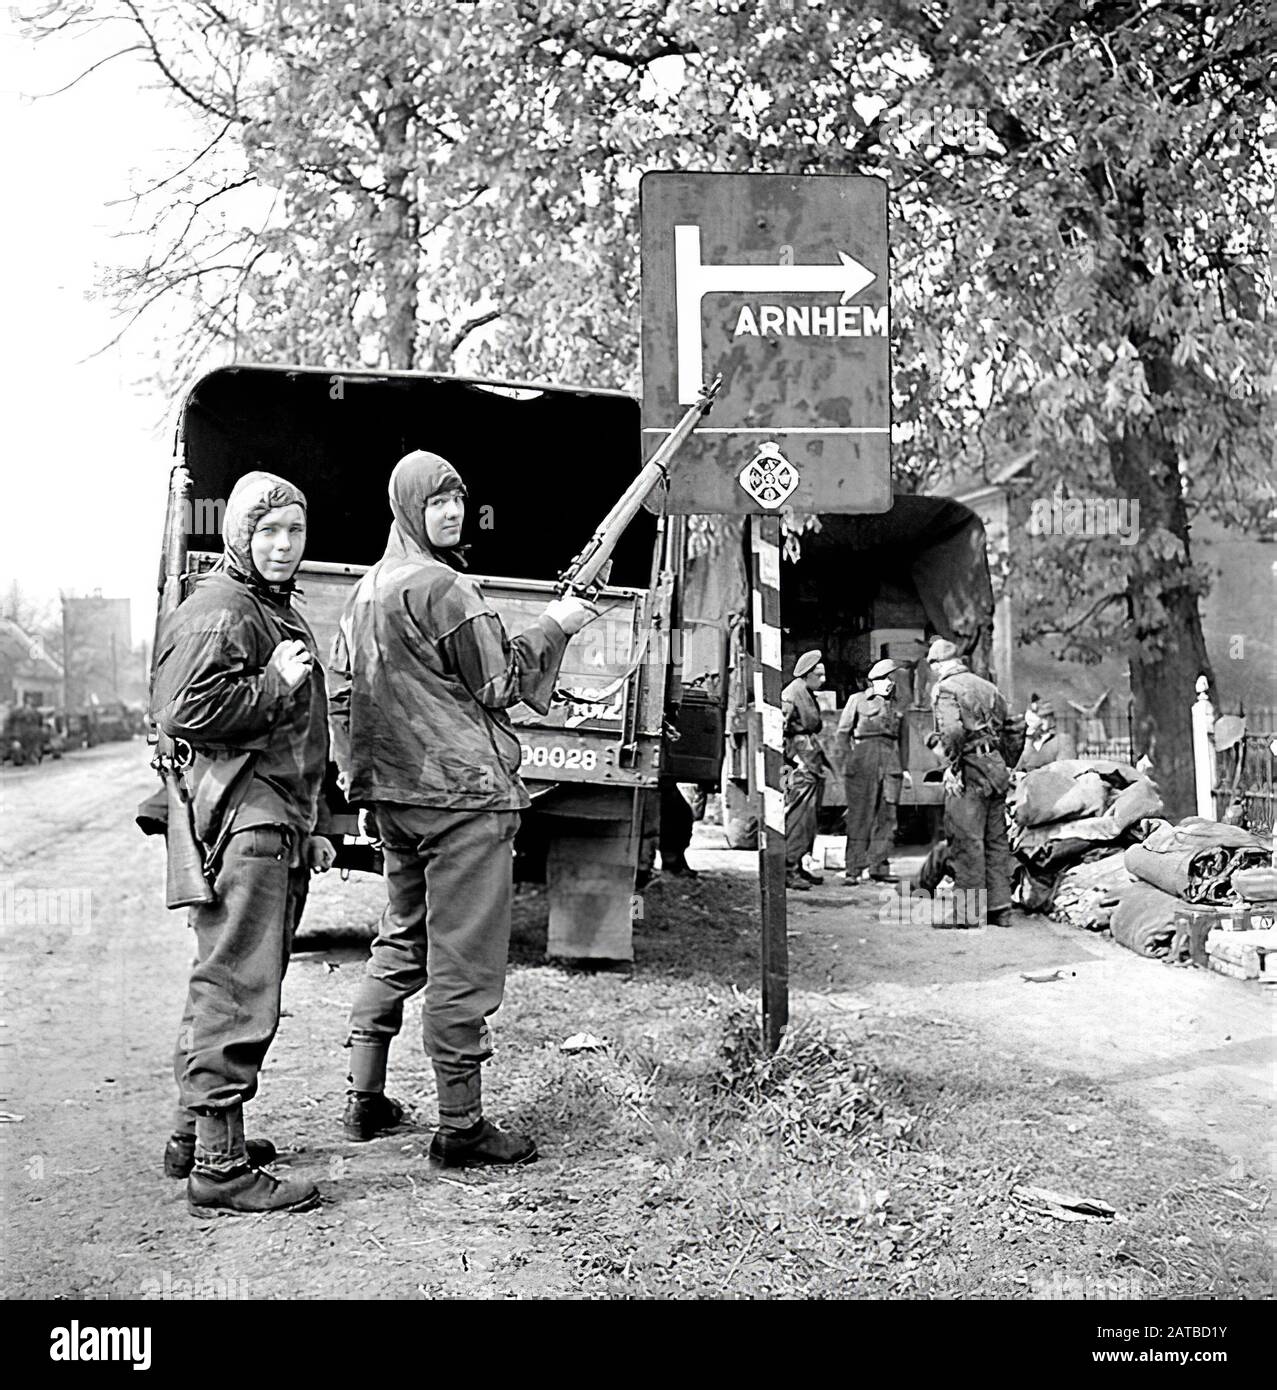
(779, 283)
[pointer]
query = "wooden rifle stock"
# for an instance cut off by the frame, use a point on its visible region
(186, 884)
(582, 575)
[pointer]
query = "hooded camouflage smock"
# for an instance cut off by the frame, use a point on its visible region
(423, 671)
(212, 687)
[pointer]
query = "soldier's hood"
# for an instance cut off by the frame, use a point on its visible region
(251, 498)
(415, 479)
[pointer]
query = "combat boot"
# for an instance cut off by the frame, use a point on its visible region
(678, 867)
(369, 1114)
(179, 1154)
(246, 1192)
(481, 1145)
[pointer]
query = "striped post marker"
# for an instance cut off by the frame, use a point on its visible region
(764, 532)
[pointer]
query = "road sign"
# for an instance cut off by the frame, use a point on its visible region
(779, 282)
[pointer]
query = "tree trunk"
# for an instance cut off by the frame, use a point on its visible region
(398, 252)
(1169, 651)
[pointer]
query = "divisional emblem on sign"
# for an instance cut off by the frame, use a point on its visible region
(769, 477)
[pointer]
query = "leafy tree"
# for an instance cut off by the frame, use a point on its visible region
(1081, 194)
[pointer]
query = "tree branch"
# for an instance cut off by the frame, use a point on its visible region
(172, 78)
(470, 326)
(119, 53)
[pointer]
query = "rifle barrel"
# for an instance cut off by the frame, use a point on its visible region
(596, 554)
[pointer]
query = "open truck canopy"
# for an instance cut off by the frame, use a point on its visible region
(542, 465)
(547, 461)
(920, 565)
(862, 587)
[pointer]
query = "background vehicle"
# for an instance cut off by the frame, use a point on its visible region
(863, 587)
(22, 737)
(542, 465)
(109, 721)
(56, 737)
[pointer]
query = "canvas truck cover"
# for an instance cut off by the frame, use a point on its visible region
(542, 466)
(932, 547)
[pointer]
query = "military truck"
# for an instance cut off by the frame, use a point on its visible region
(543, 465)
(861, 588)
(22, 735)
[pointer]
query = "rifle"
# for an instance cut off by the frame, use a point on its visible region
(186, 884)
(582, 576)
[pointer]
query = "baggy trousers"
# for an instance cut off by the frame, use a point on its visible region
(976, 827)
(804, 791)
(872, 788)
(446, 929)
(676, 822)
(242, 944)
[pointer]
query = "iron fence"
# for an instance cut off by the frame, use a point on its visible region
(1110, 737)
(1246, 774)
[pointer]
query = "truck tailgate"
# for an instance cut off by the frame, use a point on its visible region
(590, 735)
(585, 736)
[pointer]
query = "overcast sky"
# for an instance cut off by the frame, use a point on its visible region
(86, 448)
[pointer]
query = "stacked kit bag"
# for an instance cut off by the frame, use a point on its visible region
(1190, 879)
(1071, 822)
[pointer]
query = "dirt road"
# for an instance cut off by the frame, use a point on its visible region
(1194, 1048)
(93, 977)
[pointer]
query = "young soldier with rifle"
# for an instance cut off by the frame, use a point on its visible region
(424, 672)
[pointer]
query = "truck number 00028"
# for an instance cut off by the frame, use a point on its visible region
(557, 756)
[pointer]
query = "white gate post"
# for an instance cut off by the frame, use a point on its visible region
(1204, 750)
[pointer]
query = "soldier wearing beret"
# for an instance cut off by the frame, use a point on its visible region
(805, 764)
(870, 731)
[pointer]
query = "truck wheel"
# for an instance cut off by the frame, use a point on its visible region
(740, 824)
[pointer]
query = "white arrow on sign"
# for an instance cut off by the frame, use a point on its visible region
(693, 281)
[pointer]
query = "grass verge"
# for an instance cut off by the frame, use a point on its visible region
(867, 1159)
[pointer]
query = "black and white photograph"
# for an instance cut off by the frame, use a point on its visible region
(637, 665)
